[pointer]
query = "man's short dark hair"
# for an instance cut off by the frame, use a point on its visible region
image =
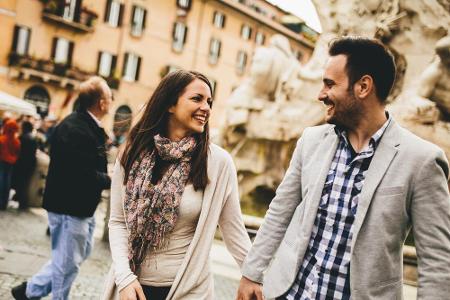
(366, 56)
(91, 91)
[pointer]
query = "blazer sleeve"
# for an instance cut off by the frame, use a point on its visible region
(118, 233)
(287, 197)
(231, 223)
(430, 213)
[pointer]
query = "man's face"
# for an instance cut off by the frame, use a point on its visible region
(343, 109)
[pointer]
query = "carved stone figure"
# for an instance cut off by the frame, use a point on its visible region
(269, 111)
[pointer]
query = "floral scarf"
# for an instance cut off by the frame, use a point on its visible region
(151, 211)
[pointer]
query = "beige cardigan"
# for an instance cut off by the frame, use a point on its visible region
(220, 207)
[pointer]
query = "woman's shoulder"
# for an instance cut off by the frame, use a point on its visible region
(219, 155)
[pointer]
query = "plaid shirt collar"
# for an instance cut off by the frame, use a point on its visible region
(374, 140)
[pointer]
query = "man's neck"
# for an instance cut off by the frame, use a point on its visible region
(360, 136)
(97, 116)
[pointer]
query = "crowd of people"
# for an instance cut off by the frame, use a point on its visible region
(335, 229)
(20, 140)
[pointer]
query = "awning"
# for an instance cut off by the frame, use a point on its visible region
(13, 104)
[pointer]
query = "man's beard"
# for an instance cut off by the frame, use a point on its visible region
(347, 114)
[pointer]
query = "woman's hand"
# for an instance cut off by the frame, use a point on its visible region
(133, 291)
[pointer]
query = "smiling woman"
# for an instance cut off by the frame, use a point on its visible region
(170, 190)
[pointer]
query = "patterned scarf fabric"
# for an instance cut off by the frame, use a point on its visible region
(151, 211)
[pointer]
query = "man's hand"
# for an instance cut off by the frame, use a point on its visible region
(249, 290)
(133, 291)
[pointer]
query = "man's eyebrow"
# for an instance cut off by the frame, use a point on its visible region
(328, 81)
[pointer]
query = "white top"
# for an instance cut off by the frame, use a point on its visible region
(161, 266)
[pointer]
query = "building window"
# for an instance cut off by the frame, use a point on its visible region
(185, 4)
(246, 32)
(114, 13)
(131, 68)
(260, 38)
(241, 62)
(106, 64)
(138, 20)
(179, 36)
(219, 19)
(70, 8)
(169, 69)
(214, 51)
(21, 40)
(62, 51)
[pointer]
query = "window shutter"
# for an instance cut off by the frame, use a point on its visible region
(122, 8)
(107, 10)
(125, 62)
(138, 69)
(185, 34)
(113, 65)
(15, 38)
(174, 29)
(28, 40)
(133, 15)
(77, 10)
(70, 54)
(55, 41)
(144, 18)
(220, 46)
(99, 59)
(224, 19)
(214, 17)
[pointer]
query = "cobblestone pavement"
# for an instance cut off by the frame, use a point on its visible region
(24, 248)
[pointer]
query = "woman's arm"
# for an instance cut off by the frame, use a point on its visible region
(118, 234)
(230, 222)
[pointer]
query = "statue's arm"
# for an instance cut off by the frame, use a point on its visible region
(429, 79)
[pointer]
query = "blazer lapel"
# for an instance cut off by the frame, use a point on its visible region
(383, 156)
(323, 158)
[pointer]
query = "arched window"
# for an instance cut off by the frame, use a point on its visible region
(38, 96)
(122, 123)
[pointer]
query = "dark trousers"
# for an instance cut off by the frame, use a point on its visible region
(156, 293)
(5, 183)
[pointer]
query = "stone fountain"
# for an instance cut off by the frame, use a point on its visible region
(272, 107)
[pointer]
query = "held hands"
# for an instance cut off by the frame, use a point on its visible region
(133, 291)
(249, 290)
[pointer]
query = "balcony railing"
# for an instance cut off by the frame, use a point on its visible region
(27, 67)
(83, 21)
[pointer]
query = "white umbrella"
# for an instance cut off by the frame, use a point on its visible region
(13, 104)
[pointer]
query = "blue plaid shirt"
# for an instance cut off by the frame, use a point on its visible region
(324, 273)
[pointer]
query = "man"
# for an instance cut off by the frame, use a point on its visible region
(76, 177)
(353, 190)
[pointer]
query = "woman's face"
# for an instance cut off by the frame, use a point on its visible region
(192, 111)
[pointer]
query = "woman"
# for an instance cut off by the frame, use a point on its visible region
(9, 153)
(170, 190)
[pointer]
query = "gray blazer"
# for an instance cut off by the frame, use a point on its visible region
(405, 187)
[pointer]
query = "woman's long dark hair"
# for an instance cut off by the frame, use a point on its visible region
(154, 121)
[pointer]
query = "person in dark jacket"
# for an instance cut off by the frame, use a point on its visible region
(76, 177)
(25, 165)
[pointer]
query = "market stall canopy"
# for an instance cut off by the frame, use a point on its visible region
(13, 104)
